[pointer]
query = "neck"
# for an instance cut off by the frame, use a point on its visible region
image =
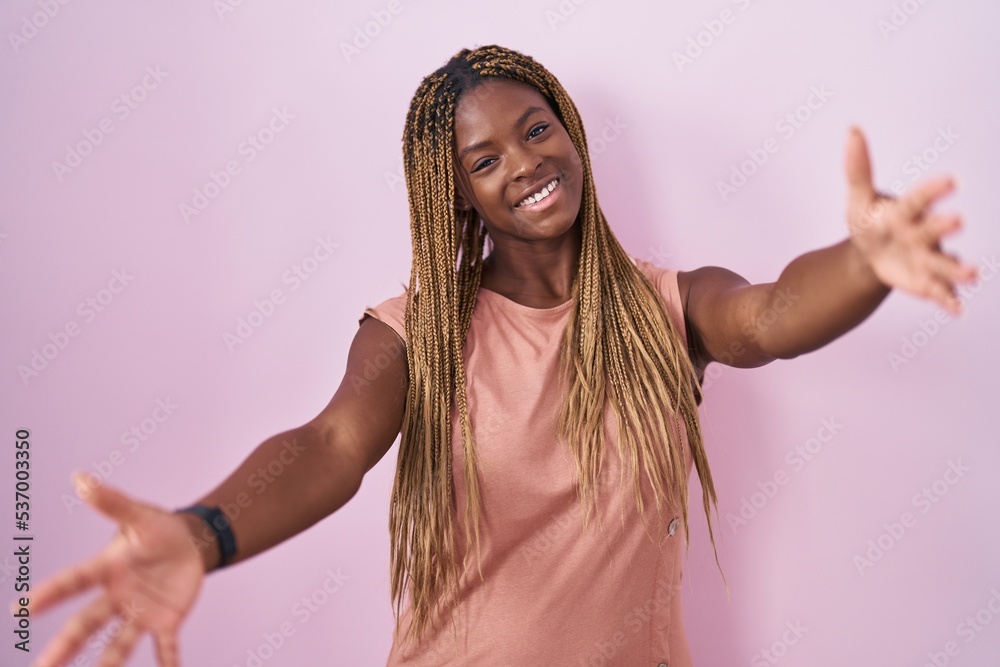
(532, 275)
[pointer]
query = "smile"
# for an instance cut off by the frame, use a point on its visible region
(542, 199)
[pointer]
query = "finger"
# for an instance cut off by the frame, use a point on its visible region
(933, 286)
(933, 228)
(75, 632)
(915, 202)
(944, 294)
(121, 647)
(166, 649)
(65, 584)
(951, 269)
(109, 501)
(884, 196)
(858, 167)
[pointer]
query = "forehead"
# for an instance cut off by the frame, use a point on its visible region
(494, 105)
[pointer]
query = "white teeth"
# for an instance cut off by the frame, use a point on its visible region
(541, 194)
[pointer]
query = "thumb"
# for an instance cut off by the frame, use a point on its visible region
(109, 501)
(858, 167)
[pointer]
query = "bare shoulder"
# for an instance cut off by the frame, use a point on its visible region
(704, 294)
(366, 412)
(708, 279)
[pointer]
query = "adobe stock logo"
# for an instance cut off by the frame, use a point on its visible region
(373, 367)
(122, 107)
(562, 12)
(779, 647)
(272, 641)
(295, 277)
(88, 309)
(970, 628)
(787, 126)
(248, 149)
(223, 7)
(900, 16)
(713, 29)
(927, 329)
(365, 34)
(924, 500)
(37, 21)
(131, 440)
(796, 457)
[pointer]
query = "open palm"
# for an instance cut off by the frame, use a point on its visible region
(901, 238)
(150, 573)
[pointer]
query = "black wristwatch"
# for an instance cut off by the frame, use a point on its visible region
(218, 523)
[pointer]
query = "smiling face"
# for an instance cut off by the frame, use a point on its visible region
(510, 145)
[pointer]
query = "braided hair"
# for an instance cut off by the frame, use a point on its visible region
(620, 345)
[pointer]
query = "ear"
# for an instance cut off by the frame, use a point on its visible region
(460, 203)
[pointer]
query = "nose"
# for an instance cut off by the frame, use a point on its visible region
(525, 162)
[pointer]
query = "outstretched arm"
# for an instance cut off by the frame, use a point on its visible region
(152, 570)
(825, 293)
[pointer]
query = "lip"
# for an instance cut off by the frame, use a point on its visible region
(545, 203)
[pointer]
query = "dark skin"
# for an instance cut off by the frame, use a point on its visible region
(818, 297)
(522, 145)
(152, 570)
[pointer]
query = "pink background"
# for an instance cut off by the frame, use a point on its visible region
(334, 172)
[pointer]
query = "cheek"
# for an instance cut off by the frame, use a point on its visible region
(490, 191)
(576, 173)
(576, 164)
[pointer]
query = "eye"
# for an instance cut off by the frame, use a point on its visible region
(539, 127)
(531, 135)
(484, 163)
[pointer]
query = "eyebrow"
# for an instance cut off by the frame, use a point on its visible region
(478, 145)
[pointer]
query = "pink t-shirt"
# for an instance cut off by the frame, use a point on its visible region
(553, 593)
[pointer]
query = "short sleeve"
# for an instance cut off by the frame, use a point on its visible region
(665, 281)
(391, 312)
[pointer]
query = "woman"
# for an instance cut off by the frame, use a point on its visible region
(546, 396)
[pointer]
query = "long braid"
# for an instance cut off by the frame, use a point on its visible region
(620, 348)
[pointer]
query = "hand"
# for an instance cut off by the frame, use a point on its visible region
(151, 573)
(899, 238)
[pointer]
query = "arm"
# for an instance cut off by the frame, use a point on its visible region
(819, 296)
(298, 477)
(151, 575)
(825, 293)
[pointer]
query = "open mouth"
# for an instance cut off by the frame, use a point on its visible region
(542, 199)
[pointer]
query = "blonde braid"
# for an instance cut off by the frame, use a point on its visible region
(620, 348)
